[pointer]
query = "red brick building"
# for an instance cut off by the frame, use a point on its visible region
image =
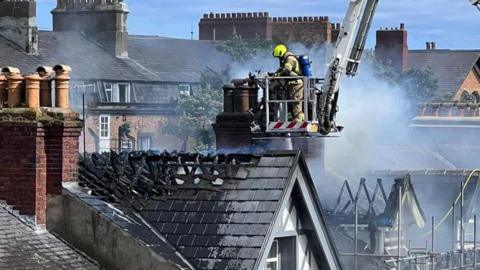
(253, 25)
(457, 71)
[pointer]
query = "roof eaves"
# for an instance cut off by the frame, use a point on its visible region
(310, 182)
(284, 196)
(473, 65)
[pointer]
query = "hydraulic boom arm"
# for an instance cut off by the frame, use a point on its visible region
(346, 58)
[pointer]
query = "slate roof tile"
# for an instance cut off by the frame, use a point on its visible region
(224, 227)
(24, 248)
(449, 67)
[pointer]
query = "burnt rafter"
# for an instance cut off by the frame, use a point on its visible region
(352, 200)
(138, 176)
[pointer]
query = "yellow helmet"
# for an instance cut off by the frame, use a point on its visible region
(279, 50)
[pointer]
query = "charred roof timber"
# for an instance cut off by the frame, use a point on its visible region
(143, 175)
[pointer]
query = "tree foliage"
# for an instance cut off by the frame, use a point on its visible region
(244, 50)
(417, 85)
(196, 113)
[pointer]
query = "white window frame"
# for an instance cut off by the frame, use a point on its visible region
(126, 145)
(127, 94)
(105, 124)
(185, 92)
(142, 138)
(274, 259)
(108, 87)
(112, 92)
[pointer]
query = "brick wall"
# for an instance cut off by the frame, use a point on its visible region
(226, 26)
(139, 124)
(302, 29)
(392, 47)
(471, 84)
(39, 151)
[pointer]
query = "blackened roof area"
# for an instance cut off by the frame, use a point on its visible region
(24, 248)
(449, 67)
(215, 210)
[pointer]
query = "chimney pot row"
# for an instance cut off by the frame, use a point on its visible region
(38, 87)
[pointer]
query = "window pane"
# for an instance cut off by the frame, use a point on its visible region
(272, 266)
(108, 95)
(122, 92)
(273, 251)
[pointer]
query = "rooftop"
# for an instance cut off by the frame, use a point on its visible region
(151, 58)
(216, 211)
(449, 67)
(24, 248)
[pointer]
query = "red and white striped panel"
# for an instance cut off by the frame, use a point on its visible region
(289, 126)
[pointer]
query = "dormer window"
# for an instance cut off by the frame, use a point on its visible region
(117, 92)
(185, 90)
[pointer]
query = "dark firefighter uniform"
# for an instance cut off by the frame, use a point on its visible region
(289, 66)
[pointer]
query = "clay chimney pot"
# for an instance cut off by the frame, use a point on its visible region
(62, 86)
(15, 90)
(62, 69)
(3, 90)
(7, 71)
(46, 74)
(33, 91)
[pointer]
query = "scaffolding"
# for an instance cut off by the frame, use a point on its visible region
(463, 254)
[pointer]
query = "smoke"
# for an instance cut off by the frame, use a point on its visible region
(373, 113)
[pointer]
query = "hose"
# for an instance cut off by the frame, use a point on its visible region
(469, 178)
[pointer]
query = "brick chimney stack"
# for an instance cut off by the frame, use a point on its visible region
(392, 47)
(105, 21)
(39, 149)
(17, 23)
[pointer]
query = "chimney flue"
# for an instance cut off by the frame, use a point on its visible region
(428, 46)
(402, 26)
(17, 19)
(433, 45)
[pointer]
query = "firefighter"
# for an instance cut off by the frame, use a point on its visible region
(289, 66)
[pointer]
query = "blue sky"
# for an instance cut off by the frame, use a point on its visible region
(453, 24)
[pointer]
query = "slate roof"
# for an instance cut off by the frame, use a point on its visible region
(152, 59)
(176, 59)
(216, 211)
(23, 248)
(449, 67)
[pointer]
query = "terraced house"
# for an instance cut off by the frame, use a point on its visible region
(131, 83)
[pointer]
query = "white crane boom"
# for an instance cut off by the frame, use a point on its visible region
(346, 58)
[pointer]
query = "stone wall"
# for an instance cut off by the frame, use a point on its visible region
(17, 24)
(105, 21)
(89, 230)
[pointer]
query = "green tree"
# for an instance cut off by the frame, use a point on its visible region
(417, 85)
(197, 112)
(244, 50)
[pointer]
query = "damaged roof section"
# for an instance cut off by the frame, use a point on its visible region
(377, 221)
(218, 212)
